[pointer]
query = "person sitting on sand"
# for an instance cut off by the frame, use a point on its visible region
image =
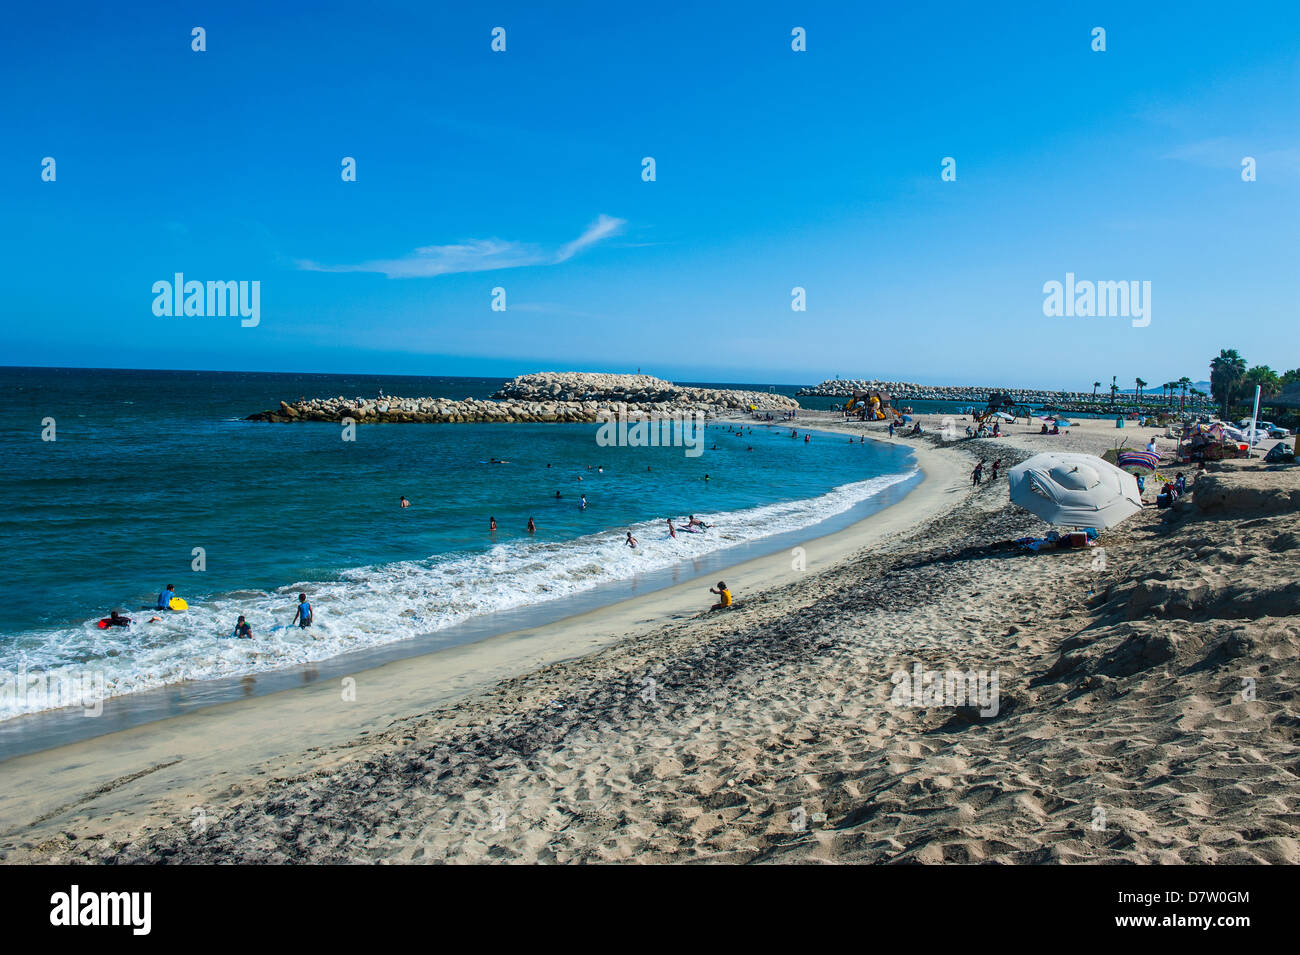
(724, 596)
(403, 502)
(165, 598)
(1056, 429)
(532, 528)
(304, 615)
(1043, 430)
(242, 630)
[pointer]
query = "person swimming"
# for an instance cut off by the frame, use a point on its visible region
(242, 630)
(114, 619)
(165, 598)
(403, 502)
(693, 521)
(557, 495)
(631, 541)
(583, 505)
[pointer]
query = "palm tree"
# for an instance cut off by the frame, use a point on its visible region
(1268, 380)
(1095, 386)
(1113, 388)
(1185, 383)
(1140, 385)
(1226, 372)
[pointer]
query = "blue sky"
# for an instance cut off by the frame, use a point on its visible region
(774, 169)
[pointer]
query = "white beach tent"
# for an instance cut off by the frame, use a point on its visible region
(1075, 490)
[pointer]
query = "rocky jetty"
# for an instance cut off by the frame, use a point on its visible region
(544, 397)
(979, 395)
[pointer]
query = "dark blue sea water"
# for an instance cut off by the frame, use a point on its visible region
(147, 466)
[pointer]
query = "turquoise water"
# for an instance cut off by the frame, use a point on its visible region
(148, 466)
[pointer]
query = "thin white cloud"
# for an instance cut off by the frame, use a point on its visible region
(1223, 153)
(477, 255)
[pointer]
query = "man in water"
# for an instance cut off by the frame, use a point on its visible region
(115, 619)
(532, 528)
(724, 596)
(583, 505)
(492, 523)
(693, 521)
(304, 615)
(165, 598)
(631, 541)
(242, 630)
(403, 502)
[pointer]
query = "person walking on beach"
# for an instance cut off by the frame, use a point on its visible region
(978, 474)
(532, 528)
(631, 541)
(891, 429)
(724, 596)
(996, 464)
(304, 616)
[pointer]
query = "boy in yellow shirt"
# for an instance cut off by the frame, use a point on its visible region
(724, 596)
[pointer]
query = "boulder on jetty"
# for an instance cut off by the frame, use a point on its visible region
(543, 397)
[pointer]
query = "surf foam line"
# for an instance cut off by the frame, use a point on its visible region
(376, 605)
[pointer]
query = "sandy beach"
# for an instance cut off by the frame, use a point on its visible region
(1147, 710)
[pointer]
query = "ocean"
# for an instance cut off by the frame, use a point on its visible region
(155, 478)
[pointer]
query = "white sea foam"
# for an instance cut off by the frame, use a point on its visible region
(376, 605)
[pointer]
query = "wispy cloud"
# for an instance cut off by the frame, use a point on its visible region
(478, 255)
(1224, 153)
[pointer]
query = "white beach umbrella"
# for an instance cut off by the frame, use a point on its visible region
(1075, 490)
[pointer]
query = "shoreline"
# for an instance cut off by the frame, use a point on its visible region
(772, 733)
(47, 729)
(122, 771)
